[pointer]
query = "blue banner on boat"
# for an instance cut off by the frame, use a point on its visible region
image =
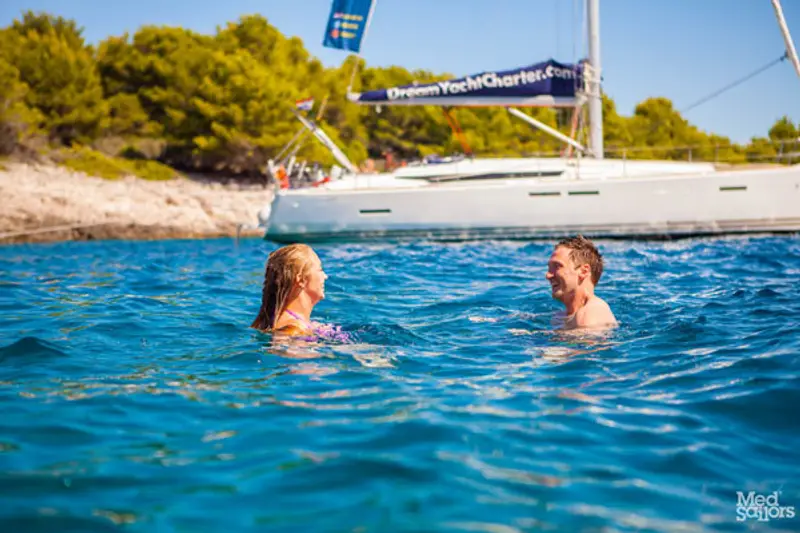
(347, 23)
(549, 83)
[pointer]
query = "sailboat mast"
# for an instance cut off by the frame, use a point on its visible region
(595, 100)
(787, 38)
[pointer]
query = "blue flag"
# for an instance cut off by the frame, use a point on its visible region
(347, 23)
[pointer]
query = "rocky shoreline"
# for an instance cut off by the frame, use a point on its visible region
(43, 203)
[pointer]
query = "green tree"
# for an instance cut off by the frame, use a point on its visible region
(224, 102)
(59, 70)
(17, 120)
(616, 130)
(785, 136)
(783, 130)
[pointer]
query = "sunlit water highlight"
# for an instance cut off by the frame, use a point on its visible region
(135, 396)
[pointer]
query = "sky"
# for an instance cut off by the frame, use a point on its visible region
(680, 49)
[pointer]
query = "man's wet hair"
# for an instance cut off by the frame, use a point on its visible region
(582, 251)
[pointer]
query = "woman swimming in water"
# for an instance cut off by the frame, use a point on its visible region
(294, 282)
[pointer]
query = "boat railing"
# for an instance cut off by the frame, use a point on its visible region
(779, 152)
(766, 152)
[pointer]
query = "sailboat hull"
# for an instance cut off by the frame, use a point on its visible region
(729, 202)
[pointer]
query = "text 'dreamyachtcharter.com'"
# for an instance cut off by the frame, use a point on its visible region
(488, 80)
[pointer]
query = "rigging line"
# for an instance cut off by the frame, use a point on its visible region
(558, 28)
(584, 30)
(572, 30)
(574, 57)
(353, 74)
(735, 83)
(716, 93)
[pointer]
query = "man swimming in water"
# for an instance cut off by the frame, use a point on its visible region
(573, 271)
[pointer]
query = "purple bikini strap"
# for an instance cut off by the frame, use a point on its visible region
(298, 317)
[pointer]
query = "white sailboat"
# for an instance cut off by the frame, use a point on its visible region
(527, 198)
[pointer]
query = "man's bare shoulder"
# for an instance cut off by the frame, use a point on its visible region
(596, 313)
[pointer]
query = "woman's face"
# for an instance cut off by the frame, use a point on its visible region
(315, 280)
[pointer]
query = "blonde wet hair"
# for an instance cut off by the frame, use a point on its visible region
(284, 265)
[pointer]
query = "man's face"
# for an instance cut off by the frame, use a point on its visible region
(564, 276)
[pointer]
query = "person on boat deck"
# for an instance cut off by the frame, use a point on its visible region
(574, 269)
(294, 283)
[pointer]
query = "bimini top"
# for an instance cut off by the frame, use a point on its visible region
(546, 84)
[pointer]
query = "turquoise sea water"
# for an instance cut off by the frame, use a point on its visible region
(136, 398)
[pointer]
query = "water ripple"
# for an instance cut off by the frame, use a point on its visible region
(136, 397)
